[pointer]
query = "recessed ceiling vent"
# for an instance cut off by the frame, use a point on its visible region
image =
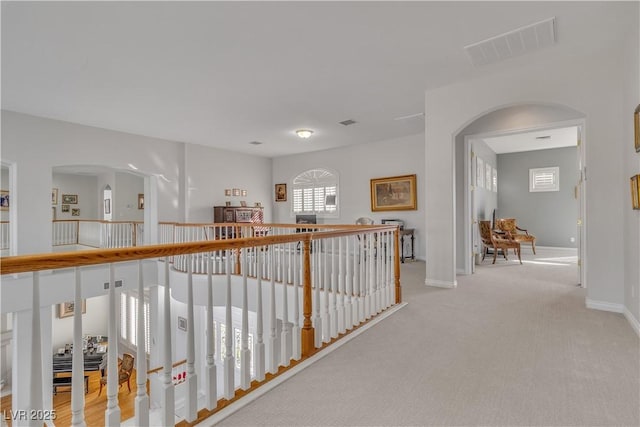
(544, 137)
(255, 143)
(348, 122)
(514, 43)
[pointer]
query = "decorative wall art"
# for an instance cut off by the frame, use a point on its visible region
(4, 200)
(479, 172)
(65, 208)
(54, 196)
(75, 212)
(66, 308)
(281, 192)
(636, 128)
(107, 206)
(488, 176)
(140, 201)
(394, 193)
(635, 192)
(494, 180)
(70, 199)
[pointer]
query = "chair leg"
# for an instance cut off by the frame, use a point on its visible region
(484, 252)
(533, 246)
(128, 384)
(519, 255)
(100, 388)
(495, 254)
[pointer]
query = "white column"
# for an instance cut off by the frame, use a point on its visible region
(295, 332)
(333, 313)
(112, 413)
(362, 280)
(285, 336)
(142, 399)
(191, 405)
(168, 389)
(326, 280)
(348, 285)
(35, 403)
(316, 267)
(341, 288)
(211, 374)
(259, 346)
(77, 376)
(229, 362)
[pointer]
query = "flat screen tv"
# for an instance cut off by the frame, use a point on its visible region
(306, 219)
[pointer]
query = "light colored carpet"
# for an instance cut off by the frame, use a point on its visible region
(511, 346)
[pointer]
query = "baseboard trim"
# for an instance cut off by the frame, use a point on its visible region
(550, 247)
(605, 306)
(441, 283)
(635, 325)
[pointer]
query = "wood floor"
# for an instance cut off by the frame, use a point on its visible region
(94, 405)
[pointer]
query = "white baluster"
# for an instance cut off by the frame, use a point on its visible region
(362, 288)
(370, 298)
(326, 333)
(168, 389)
(341, 287)
(348, 284)
(273, 360)
(316, 267)
(295, 332)
(377, 277)
(77, 376)
(112, 413)
(212, 384)
(142, 399)
(245, 352)
(387, 292)
(285, 335)
(36, 403)
(229, 362)
(333, 313)
(259, 346)
(191, 406)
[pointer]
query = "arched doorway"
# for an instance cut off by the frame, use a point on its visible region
(507, 122)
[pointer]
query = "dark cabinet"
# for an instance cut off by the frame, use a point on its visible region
(238, 214)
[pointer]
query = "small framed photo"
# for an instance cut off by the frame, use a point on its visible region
(66, 308)
(75, 212)
(227, 192)
(635, 192)
(107, 206)
(236, 192)
(243, 193)
(182, 323)
(65, 208)
(54, 196)
(281, 192)
(4, 200)
(636, 128)
(140, 200)
(70, 199)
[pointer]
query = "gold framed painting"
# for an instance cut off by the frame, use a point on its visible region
(66, 308)
(636, 128)
(281, 192)
(4, 200)
(635, 192)
(394, 193)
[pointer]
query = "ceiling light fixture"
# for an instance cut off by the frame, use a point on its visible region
(304, 133)
(132, 166)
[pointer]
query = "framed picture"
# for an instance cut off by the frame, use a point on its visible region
(227, 192)
(495, 180)
(107, 206)
(636, 128)
(236, 192)
(75, 212)
(65, 208)
(243, 193)
(488, 176)
(4, 200)
(394, 193)
(54, 196)
(635, 192)
(182, 323)
(243, 215)
(66, 308)
(140, 200)
(479, 172)
(70, 199)
(281, 192)
(243, 203)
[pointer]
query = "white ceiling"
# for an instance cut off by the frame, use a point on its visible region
(536, 140)
(224, 74)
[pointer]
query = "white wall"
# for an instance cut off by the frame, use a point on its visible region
(85, 187)
(94, 322)
(588, 85)
(356, 166)
(125, 197)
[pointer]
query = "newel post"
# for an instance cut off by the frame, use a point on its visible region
(396, 267)
(307, 333)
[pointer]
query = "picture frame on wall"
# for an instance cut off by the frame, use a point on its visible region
(281, 192)
(140, 200)
(4, 200)
(488, 176)
(107, 206)
(75, 212)
(394, 193)
(70, 199)
(54, 196)
(494, 180)
(636, 128)
(479, 173)
(635, 192)
(66, 308)
(65, 208)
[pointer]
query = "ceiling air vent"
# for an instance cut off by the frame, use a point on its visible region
(514, 43)
(348, 122)
(255, 143)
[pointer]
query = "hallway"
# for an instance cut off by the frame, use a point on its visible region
(512, 345)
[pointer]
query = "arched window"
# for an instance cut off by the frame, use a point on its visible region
(316, 192)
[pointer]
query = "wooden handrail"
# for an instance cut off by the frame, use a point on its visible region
(159, 368)
(51, 261)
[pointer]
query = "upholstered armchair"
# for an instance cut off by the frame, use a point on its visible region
(491, 240)
(518, 234)
(124, 372)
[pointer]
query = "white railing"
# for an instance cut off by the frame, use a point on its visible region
(64, 233)
(271, 300)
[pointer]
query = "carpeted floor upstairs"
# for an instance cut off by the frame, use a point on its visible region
(511, 346)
